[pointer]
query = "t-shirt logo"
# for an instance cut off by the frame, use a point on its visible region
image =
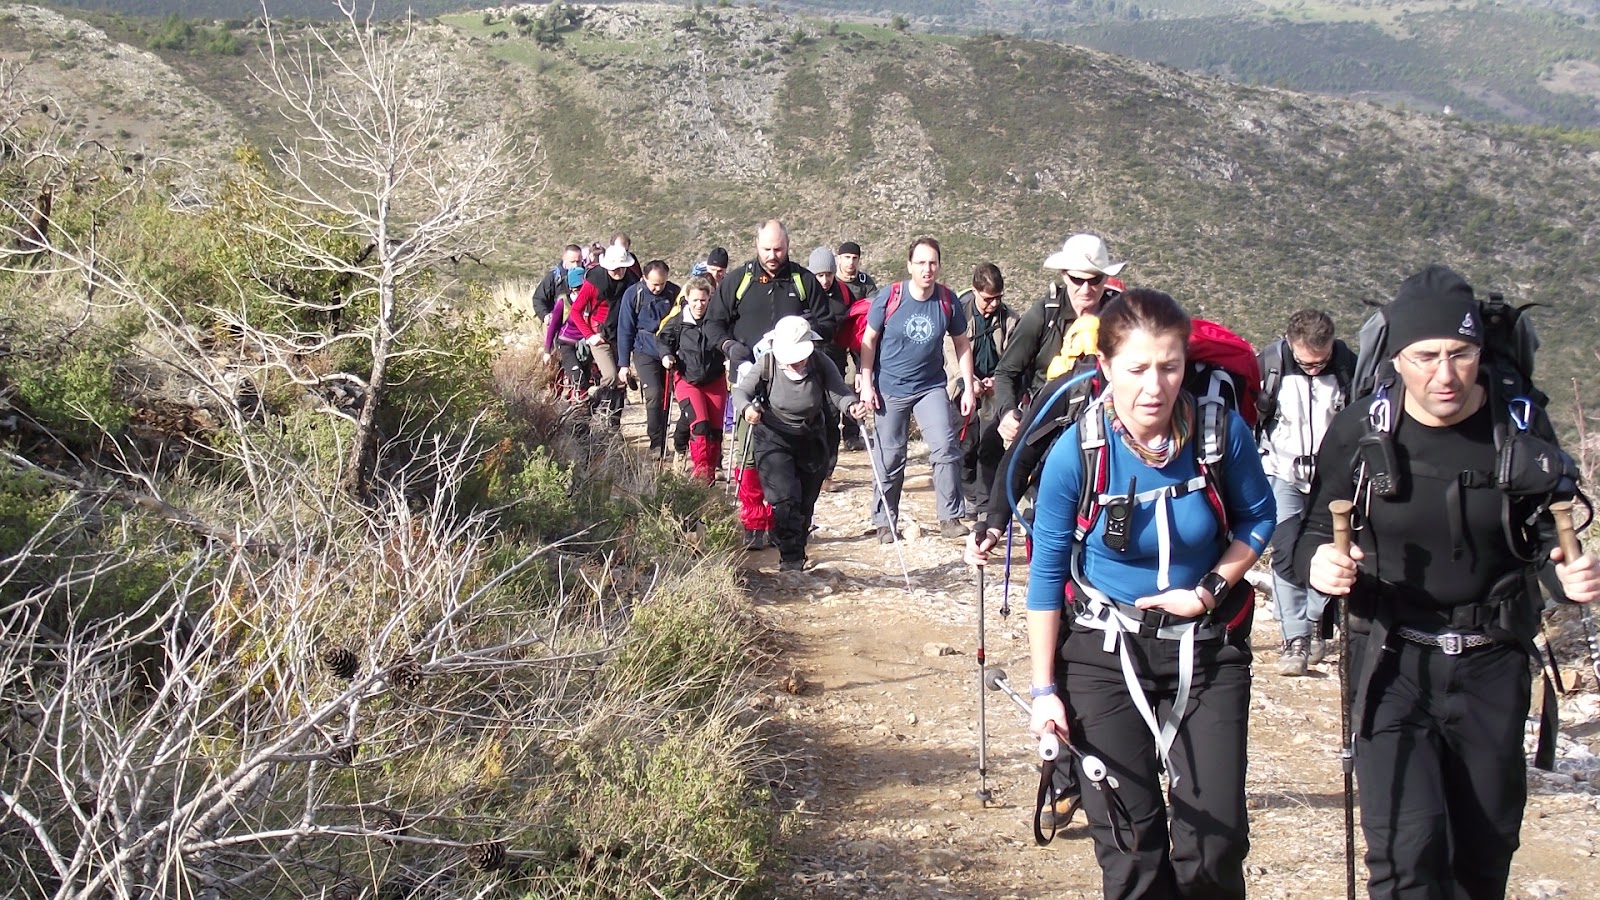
(919, 328)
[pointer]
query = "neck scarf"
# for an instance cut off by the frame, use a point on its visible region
(1157, 457)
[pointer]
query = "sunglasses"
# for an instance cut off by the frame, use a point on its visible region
(1091, 280)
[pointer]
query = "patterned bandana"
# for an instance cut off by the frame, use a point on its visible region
(1182, 427)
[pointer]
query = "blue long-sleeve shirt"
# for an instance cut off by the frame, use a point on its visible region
(1126, 576)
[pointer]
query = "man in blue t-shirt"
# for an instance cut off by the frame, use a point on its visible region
(902, 374)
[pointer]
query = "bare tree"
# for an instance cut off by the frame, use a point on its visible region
(380, 165)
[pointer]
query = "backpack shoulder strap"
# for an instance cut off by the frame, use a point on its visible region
(1096, 468)
(799, 286)
(947, 299)
(893, 302)
(1274, 363)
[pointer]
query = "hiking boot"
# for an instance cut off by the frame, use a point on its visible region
(855, 444)
(953, 528)
(828, 486)
(1292, 661)
(755, 539)
(792, 565)
(886, 534)
(1316, 650)
(1059, 815)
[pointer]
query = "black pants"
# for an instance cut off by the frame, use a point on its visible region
(1200, 853)
(1443, 776)
(979, 438)
(652, 377)
(791, 468)
(680, 432)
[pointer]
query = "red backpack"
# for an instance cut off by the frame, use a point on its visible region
(855, 320)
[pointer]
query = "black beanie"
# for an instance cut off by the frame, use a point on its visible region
(1434, 303)
(717, 257)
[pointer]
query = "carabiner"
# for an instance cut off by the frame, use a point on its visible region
(1521, 411)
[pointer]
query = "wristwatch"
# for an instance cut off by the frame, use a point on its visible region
(1217, 586)
(1041, 690)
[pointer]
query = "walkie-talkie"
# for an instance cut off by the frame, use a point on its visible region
(1119, 512)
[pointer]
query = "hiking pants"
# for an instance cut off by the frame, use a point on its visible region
(971, 434)
(652, 378)
(701, 424)
(1200, 853)
(1443, 776)
(1297, 607)
(577, 370)
(754, 512)
(792, 467)
(611, 395)
(932, 409)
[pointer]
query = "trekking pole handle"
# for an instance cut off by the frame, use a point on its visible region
(1049, 746)
(1341, 510)
(1561, 511)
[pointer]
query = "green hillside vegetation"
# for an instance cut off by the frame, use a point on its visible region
(1482, 62)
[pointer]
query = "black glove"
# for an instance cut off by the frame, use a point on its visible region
(737, 353)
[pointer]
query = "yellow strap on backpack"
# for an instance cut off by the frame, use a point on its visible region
(1082, 340)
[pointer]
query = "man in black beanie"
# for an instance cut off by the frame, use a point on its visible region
(1442, 618)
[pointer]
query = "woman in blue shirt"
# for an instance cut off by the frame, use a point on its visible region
(1150, 669)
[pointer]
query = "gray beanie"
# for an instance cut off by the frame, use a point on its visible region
(821, 261)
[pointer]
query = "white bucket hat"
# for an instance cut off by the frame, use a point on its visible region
(1083, 253)
(616, 257)
(793, 340)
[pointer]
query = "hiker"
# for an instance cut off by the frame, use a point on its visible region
(822, 264)
(643, 308)
(701, 377)
(1154, 678)
(602, 287)
(716, 265)
(858, 283)
(550, 288)
(785, 397)
(1305, 382)
(902, 374)
(748, 303)
(1442, 607)
(561, 331)
(862, 288)
(990, 323)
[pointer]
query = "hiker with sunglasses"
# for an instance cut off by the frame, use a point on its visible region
(1138, 545)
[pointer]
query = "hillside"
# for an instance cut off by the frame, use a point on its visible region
(684, 128)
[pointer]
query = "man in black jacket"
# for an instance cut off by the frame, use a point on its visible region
(554, 283)
(1442, 618)
(751, 299)
(857, 282)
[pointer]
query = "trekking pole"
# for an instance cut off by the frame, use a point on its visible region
(1561, 511)
(878, 479)
(984, 794)
(1341, 510)
(730, 426)
(1005, 590)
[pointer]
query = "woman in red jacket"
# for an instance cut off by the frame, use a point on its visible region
(591, 311)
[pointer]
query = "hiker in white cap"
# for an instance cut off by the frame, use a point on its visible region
(592, 310)
(785, 395)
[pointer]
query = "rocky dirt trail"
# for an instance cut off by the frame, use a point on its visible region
(882, 737)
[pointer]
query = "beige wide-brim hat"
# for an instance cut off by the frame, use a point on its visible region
(793, 340)
(1083, 253)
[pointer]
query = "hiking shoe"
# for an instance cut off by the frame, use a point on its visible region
(1292, 661)
(1059, 815)
(828, 486)
(1316, 650)
(953, 528)
(755, 539)
(886, 534)
(855, 444)
(792, 565)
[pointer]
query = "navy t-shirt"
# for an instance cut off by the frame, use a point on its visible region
(911, 344)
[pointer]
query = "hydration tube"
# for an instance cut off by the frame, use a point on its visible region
(1011, 467)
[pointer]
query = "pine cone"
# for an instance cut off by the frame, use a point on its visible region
(340, 661)
(487, 856)
(404, 673)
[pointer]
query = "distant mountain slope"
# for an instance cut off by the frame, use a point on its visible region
(685, 129)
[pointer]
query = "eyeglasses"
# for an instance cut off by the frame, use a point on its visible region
(1309, 365)
(991, 298)
(1091, 280)
(1430, 362)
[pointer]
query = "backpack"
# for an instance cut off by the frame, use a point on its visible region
(1509, 344)
(749, 275)
(1342, 366)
